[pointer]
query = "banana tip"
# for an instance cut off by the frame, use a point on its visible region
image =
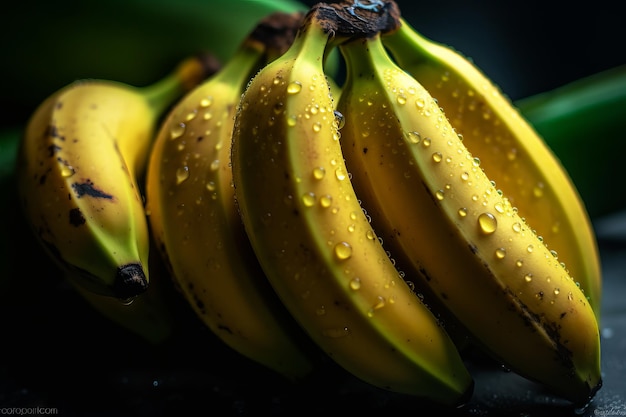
(130, 281)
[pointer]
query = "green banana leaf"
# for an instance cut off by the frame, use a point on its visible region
(584, 122)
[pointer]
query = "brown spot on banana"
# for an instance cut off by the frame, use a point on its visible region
(88, 188)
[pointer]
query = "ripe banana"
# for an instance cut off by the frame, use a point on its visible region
(510, 150)
(195, 222)
(77, 168)
(313, 240)
(456, 234)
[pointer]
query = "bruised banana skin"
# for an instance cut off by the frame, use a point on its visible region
(456, 234)
(316, 245)
(198, 230)
(79, 160)
(510, 150)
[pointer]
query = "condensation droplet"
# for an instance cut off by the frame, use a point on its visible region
(462, 212)
(182, 174)
(426, 142)
(67, 171)
(340, 119)
(355, 283)
(464, 176)
(487, 223)
(437, 157)
(215, 164)
(380, 303)
(294, 87)
(340, 174)
(439, 195)
(318, 173)
(317, 126)
(414, 137)
(326, 200)
(343, 251)
(500, 253)
(308, 199)
(291, 120)
(528, 277)
(177, 130)
(519, 263)
(517, 227)
(530, 248)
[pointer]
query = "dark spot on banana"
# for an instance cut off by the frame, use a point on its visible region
(365, 151)
(425, 274)
(444, 296)
(225, 328)
(76, 217)
(53, 149)
(53, 132)
(87, 188)
(473, 248)
(562, 315)
(130, 281)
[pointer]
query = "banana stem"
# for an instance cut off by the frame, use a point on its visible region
(186, 76)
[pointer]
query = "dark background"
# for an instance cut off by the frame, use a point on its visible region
(59, 353)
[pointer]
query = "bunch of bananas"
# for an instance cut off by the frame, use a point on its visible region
(383, 222)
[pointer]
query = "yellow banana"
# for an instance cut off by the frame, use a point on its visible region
(195, 222)
(456, 234)
(82, 152)
(511, 152)
(313, 240)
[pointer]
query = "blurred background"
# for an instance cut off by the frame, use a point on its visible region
(525, 47)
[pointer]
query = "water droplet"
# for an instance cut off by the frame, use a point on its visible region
(340, 174)
(191, 115)
(401, 99)
(499, 207)
(318, 173)
(182, 174)
(538, 190)
(380, 303)
(317, 126)
(437, 157)
(476, 161)
(215, 164)
(177, 130)
(340, 119)
(355, 283)
(308, 199)
(517, 227)
(439, 195)
(557, 291)
(294, 87)
(500, 253)
(420, 103)
(462, 212)
(464, 176)
(487, 223)
(210, 186)
(426, 142)
(413, 137)
(519, 263)
(343, 251)
(67, 171)
(326, 200)
(370, 235)
(528, 277)
(530, 248)
(291, 120)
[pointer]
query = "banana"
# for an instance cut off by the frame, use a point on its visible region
(511, 151)
(456, 234)
(312, 238)
(79, 161)
(195, 222)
